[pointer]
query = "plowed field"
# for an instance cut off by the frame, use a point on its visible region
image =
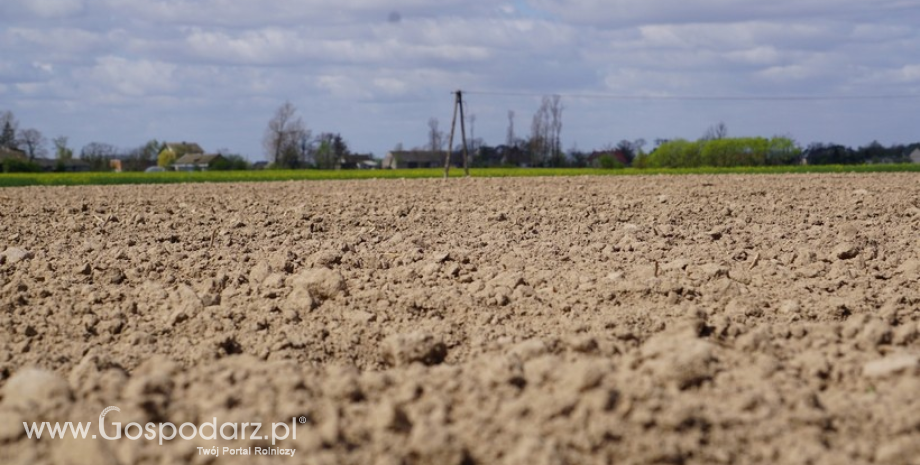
(688, 319)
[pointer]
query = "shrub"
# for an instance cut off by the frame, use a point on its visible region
(13, 165)
(678, 153)
(608, 162)
(728, 152)
(230, 163)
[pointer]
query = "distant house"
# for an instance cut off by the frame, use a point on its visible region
(260, 165)
(177, 150)
(357, 162)
(14, 154)
(409, 159)
(197, 162)
(915, 156)
(181, 148)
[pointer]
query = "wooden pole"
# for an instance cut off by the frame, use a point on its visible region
(466, 156)
(450, 141)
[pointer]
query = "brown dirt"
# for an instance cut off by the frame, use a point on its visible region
(700, 319)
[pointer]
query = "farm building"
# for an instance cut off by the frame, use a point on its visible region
(6, 153)
(181, 148)
(357, 162)
(403, 159)
(197, 162)
(177, 150)
(915, 156)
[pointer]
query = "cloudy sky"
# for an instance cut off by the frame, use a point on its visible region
(214, 71)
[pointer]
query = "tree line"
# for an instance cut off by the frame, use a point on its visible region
(289, 144)
(94, 156)
(543, 148)
(715, 148)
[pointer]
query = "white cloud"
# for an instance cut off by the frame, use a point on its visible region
(59, 42)
(290, 12)
(391, 85)
(120, 76)
(343, 59)
(41, 9)
(790, 72)
(617, 13)
(55, 8)
(45, 67)
(763, 55)
(909, 73)
(29, 88)
(634, 81)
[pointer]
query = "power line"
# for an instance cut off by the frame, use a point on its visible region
(729, 98)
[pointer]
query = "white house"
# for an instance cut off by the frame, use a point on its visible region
(196, 162)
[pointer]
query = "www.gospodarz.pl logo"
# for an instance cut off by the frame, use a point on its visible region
(168, 431)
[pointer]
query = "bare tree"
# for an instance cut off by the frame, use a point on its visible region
(537, 138)
(509, 137)
(717, 131)
(471, 121)
(541, 134)
(97, 155)
(639, 144)
(557, 157)
(286, 138)
(435, 136)
(145, 156)
(34, 143)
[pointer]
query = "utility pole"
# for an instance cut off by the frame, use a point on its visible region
(466, 155)
(450, 140)
(458, 105)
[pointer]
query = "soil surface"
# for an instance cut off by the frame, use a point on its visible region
(688, 320)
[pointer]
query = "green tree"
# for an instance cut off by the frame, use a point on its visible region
(324, 156)
(739, 151)
(330, 149)
(783, 151)
(10, 127)
(62, 152)
(231, 162)
(15, 165)
(166, 158)
(608, 162)
(677, 153)
(641, 161)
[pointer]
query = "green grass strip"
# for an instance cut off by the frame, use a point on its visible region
(102, 178)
